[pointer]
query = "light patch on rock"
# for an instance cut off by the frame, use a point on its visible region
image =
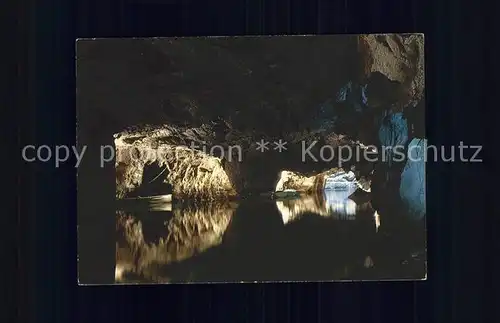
(412, 186)
(190, 231)
(192, 173)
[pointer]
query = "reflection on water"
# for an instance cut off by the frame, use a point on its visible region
(331, 203)
(316, 237)
(155, 237)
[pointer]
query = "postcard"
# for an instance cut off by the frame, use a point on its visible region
(251, 159)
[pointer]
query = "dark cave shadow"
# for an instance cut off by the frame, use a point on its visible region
(153, 182)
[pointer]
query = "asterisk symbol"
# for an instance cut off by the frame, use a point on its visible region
(280, 145)
(262, 145)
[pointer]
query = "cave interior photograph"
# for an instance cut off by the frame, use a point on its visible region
(251, 159)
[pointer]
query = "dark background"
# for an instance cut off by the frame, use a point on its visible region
(151, 81)
(460, 287)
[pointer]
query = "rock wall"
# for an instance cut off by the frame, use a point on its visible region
(316, 183)
(400, 58)
(317, 203)
(192, 173)
(196, 174)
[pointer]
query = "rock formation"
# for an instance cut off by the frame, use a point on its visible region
(239, 109)
(191, 172)
(183, 95)
(320, 203)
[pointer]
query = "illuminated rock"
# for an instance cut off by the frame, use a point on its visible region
(412, 187)
(190, 231)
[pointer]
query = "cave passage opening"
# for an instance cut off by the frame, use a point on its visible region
(154, 181)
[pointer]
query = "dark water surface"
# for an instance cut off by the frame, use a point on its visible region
(309, 239)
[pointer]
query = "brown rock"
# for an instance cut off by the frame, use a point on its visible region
(192, 173)
(400, 58)
(191, 230)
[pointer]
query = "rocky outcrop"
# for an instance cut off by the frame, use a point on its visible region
(193, 173)
(318, 200)
(230, 92)
(400, 58)
(320, 203)
(412, 187)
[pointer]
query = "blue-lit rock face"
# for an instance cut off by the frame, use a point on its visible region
(393, 132)
(412, 187)
(354, 95)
